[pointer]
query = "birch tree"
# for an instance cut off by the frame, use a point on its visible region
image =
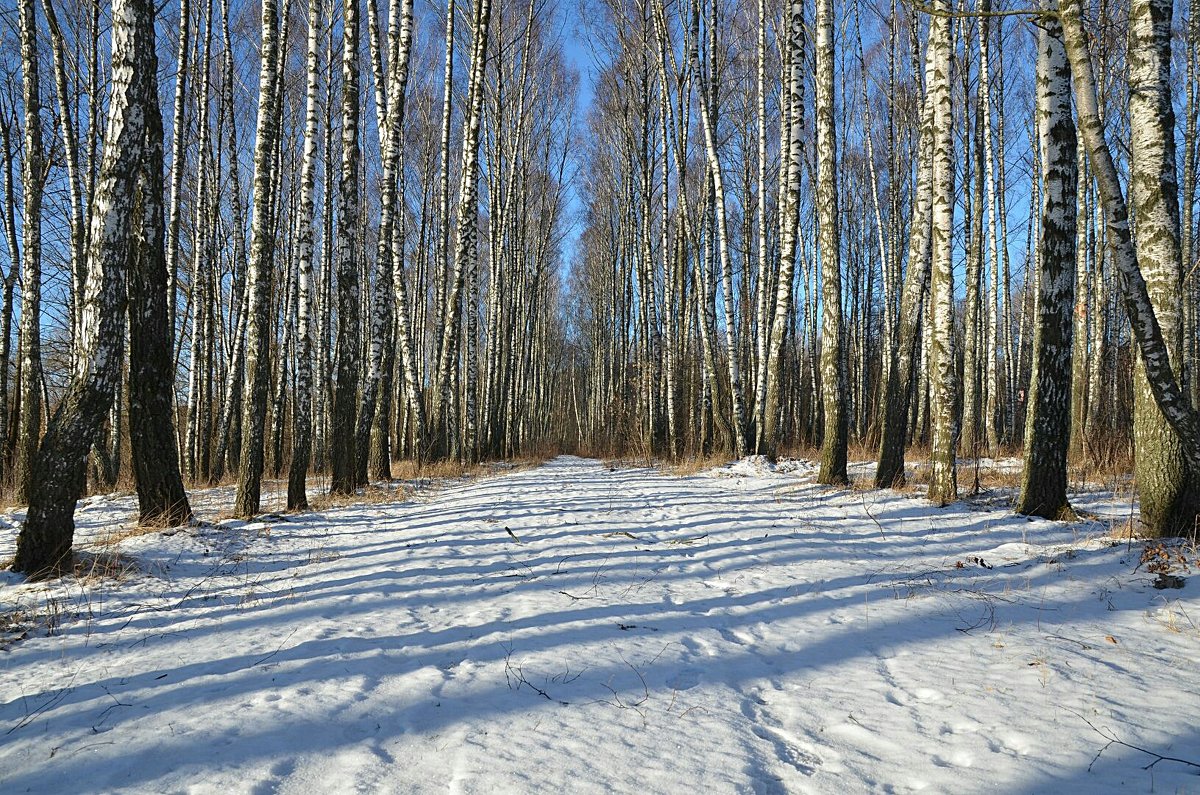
(1047, 428)
(790, 210)
(895, 400)
(466, 233)
(390, 255)
(302, 413)
(1168, 490)
(1147, 331)
(258, 276)
(943, 476)
(162, 500)
(833, 353)
(44, 543)
(30, 396)
(349, 298)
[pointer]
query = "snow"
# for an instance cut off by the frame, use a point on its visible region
(582, 628)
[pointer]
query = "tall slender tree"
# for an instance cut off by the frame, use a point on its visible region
(349, 298)
(789, 243)
(943, 475)
(833, 352)
(302, 419)
(258, 276)
(33, 174)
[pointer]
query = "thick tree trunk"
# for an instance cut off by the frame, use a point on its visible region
(349, 297)
(162, 500)
(44, 544)
(1047, 427)
(1169, 494)
(1143, 320)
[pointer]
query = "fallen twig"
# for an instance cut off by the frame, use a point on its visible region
(1113, 739)
(277, 650)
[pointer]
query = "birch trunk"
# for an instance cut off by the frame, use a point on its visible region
(707, 123)
(1143, 320)
(896, 399)
(943, 476)
(44, 543)
(390, 256)
(297, 499)
(162, 501)
(178, 158)
(1168, 492)
(790, 208)
(1048, 424)
(30, 397)
(465, 248)
(259, 272)
(833, 352)
(349, 295)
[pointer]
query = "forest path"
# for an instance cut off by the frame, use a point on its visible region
(583, 628)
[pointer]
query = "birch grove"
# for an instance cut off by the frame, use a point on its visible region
(453, 231)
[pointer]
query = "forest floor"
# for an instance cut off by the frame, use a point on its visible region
(582, 627)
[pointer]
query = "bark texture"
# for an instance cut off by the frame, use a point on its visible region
(1047, 426)
(44, 544)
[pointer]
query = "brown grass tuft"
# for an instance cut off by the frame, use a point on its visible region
(691, 465)
(107, 565)
(372, 495)
(114, 537)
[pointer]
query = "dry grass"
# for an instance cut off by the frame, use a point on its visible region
(372, 495)
(406, 473)
(437, 470)
(863, 483)
(989, 478)
(89, 567)
(120, 534)
(691, 465)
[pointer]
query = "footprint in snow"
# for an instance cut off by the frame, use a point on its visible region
(736, 636)
(686, 679)
(958, 758)
(787, 748)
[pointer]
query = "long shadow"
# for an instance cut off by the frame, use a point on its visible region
(585, 622)
(356, 659)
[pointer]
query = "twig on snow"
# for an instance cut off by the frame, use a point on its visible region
(277, 649)
(1113, 739)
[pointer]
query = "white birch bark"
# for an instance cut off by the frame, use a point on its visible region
(789, 208)
(258, 274)
(44, 543)
(943, 476)
(1147, 331)
(834, 394)
(1047, 427)
(29, 399)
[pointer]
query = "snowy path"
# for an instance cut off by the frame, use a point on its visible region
(734, 631)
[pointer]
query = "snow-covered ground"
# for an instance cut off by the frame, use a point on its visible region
(581, 628)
